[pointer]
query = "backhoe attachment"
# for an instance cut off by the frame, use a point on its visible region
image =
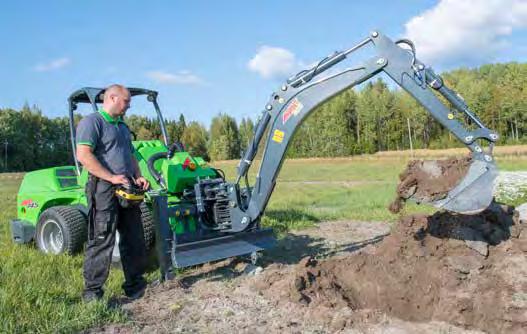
(226, 216)
(289, 106)
(220, 219)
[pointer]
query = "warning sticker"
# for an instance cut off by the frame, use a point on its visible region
(278, 136)
(292, 109)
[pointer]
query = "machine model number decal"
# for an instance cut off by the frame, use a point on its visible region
(292, 109)
(28, 203)
(278, 136)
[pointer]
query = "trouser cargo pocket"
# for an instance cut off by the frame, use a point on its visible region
(102, 208)
(103, 226)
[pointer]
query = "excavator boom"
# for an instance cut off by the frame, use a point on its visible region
(289, 106)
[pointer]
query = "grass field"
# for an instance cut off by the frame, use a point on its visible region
(41, 293)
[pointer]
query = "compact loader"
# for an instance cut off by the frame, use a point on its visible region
(196, 215)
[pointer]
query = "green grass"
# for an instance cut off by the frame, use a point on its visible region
(354, 169)
(512, 163)
(40, 293)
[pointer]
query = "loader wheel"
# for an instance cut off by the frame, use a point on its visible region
(148, 226)
(61, 229)
(148, 231)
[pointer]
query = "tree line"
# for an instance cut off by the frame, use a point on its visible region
(373, 117)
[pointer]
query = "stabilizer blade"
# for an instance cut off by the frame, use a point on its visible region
(237, 244)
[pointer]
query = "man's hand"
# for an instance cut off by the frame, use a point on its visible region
(119, 179)
(142, 182)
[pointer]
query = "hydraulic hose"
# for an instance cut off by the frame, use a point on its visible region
(249, 155)
(176, 147)
(150, 163)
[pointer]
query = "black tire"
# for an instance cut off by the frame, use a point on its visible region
(61, 229)
(148, 231)
(148, 226)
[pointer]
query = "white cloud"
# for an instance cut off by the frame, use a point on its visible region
(469, 30)
(180, 78)
(273, 62)
(53, 65)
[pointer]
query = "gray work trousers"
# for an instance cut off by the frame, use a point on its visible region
(105, 216)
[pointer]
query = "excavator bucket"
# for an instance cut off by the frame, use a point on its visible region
(458, 185)
(473, 194)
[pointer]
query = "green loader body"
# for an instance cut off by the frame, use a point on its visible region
(186, 210)
(60, 186)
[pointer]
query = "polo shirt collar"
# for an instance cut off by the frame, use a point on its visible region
(109, 118)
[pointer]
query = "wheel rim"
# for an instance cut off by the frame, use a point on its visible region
(116, 254)
(52, 239)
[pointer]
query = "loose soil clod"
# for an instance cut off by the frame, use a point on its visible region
(427, 181)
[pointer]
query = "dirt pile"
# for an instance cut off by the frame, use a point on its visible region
(469, 271)
(429, 180)
(433, 274)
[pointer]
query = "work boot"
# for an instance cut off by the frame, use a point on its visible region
(134, 288)
(90, 296)
(136, 294)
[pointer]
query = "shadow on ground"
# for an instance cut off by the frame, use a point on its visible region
(292, 248)
(492, 226)
(288, 250)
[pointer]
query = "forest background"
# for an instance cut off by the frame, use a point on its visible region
(374, 117)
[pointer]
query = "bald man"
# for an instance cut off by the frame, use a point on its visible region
(105, 149)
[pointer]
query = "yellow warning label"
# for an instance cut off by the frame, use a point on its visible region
(278, 136)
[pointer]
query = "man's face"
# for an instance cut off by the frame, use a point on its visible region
(121, 101)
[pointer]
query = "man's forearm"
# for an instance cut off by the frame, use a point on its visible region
(90, 162)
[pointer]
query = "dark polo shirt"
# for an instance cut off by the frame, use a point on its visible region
(110, 141)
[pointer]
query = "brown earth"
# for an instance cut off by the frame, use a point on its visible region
(467, 271)
(427, 181)
(440, 273)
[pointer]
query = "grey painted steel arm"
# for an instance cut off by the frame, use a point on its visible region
(296, 99)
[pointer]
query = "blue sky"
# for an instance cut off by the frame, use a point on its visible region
(206, 57)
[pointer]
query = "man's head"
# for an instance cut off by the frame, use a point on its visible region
(116, 100)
